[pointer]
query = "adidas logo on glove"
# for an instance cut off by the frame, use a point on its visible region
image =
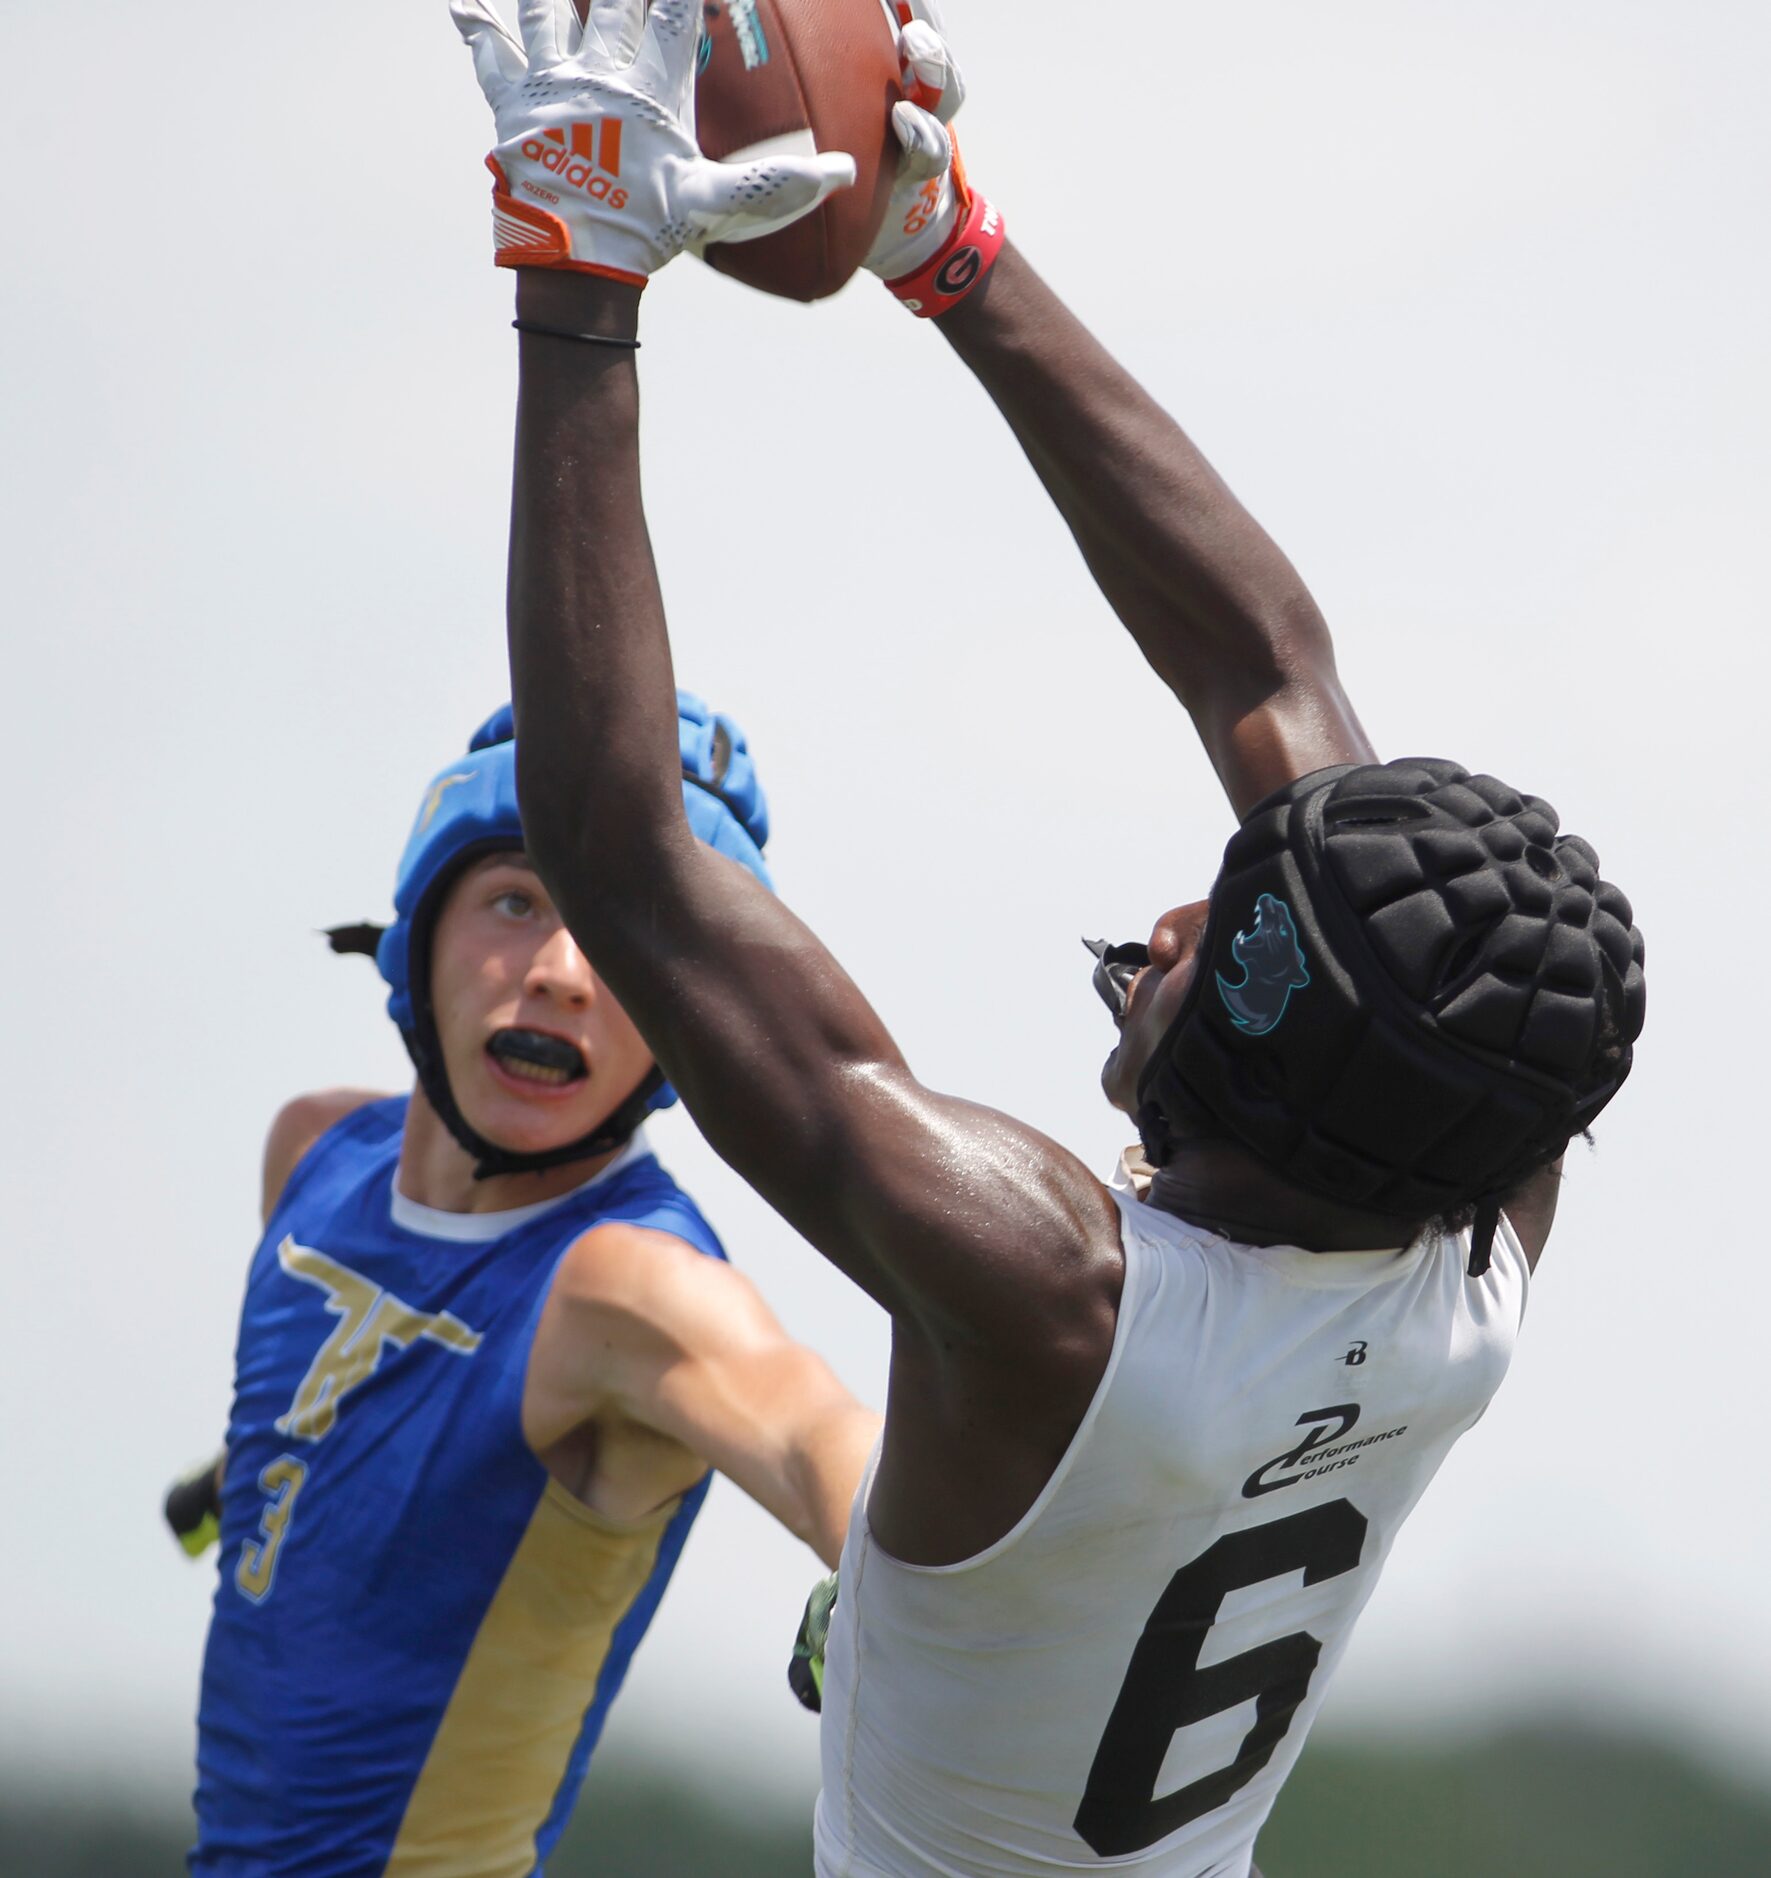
(591, 161)
(624, 188)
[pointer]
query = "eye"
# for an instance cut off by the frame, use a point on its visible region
(513, 902)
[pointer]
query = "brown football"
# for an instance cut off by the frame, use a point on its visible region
(803, 75)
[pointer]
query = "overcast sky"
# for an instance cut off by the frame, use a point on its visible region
(1469, 303)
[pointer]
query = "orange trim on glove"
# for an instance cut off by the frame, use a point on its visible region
(963, 260)
(525, 236)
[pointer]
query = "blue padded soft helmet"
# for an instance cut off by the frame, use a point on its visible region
(470, 810)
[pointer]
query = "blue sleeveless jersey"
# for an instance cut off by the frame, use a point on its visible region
(417, 1632)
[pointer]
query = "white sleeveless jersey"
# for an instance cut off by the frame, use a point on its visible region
(1124, 1681)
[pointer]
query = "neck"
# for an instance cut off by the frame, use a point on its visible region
(436, 1170)
(1221, 1187)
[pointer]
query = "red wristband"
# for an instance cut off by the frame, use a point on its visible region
(968, 255)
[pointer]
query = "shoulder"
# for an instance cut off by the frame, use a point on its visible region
(630, 1307)
(645, 1195)
(298, 1125)
(618, 1275)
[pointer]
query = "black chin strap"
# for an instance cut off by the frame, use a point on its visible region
(1487, 1223)
(490, 1160)
(360, 940)
(1155, 1134)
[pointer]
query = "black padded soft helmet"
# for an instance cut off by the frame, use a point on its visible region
(1411, 992)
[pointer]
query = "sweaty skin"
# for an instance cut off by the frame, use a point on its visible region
(651, 1362)
(995, 1251)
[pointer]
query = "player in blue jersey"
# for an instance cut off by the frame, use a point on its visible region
(488, 1352)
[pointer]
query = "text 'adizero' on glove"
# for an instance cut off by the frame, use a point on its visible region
(596, 162)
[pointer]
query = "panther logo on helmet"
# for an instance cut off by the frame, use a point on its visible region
(1273, 968)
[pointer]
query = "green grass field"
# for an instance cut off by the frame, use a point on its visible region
(1530, 1802)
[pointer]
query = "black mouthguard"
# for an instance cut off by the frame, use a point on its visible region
(534, 1046)
(1115, 968)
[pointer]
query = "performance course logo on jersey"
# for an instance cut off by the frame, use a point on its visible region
(1273, 968)
(1324, 1450)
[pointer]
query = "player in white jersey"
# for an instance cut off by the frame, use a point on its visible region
(1146, 1445)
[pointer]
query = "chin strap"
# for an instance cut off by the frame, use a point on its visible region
(359, 940)
(1155, 1134)
(1482, 1234)
(614, 1131)
(490, 1160)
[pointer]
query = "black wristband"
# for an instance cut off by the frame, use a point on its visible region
(588, 339)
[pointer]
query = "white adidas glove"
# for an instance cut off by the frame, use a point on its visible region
(930, 193)
(596, 163)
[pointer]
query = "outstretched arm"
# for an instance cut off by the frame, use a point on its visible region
(1214, 606)
(642, 1329)
(996, 1252)
(779, 1057)
(1219, 612)
(936, 1206)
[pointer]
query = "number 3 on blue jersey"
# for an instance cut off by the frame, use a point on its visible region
(257, 1568)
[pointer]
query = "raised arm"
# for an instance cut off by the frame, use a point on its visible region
(1216, 608)
(936, 1206)
(1219, 612)
(996, 1252)
(782, 1061)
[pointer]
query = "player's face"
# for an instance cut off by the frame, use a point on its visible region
(1155, 1000)
(536, 1050)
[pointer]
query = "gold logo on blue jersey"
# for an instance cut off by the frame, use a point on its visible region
(369, 1320)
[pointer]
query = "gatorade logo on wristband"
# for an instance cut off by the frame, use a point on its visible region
(953, 273)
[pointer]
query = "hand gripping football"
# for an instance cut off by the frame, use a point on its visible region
(796, 77)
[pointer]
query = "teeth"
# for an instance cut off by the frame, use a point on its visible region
(534, 1072)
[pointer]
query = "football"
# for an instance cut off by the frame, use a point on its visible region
(803, 76)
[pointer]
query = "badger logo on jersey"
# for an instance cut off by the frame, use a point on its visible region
(369, 1319)
(1273, 968)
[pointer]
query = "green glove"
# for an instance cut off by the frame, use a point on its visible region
(193, 1507)
(805, 1668)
